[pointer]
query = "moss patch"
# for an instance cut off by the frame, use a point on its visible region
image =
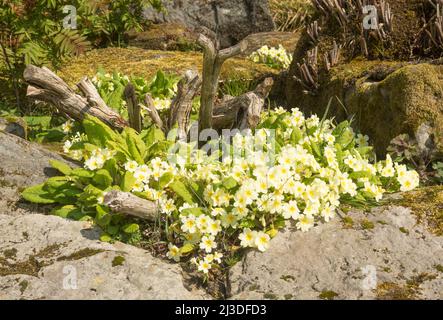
(164, 36)
(30, 266)
(427, 205)
(348, 223)
(23, 286)
(83, 253)
(367, 225)
(270, 296)
(118, 261)
(328, 295)
(146, 63)
(408, 291)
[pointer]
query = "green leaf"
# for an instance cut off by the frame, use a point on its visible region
(165, 179)
(102, 217)
(229, 183)
(69, 211)
(82, 173)
(194, 211)
(131, 228)
(187, 248)
(98, 133)
(128, 182)
(136, 147)
(105, 237)
(103, 178)
(182, 190)
(296, 136)
(61, 166)
(37, 194)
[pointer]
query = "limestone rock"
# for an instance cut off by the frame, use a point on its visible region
(47, 257)
(384, 255)
(22, 164)
(235, 18)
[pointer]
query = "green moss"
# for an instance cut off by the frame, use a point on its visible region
(408, 291)
(382, 222)
(31, 266)
(427, 205)
(270, 296)
(393, 291)
(254, 287)
(10, 253)
(288, 296)
(404, 230)
(23, 286)
(118, 261)
(164, 36)
(83, 253)
(328, 295)
(439, 268)
(146, 63)
(367, 225)
(348, 222)
(287, 278)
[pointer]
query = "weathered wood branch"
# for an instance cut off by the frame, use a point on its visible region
(135, 121)
(181, 106)
(129, 204)
(153, 113)
(46, 86)
(242, 112)
(213, 60)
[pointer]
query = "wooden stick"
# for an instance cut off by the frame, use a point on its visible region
(181, 106)
(46, 86)
(213, 60)
(129, 204)
(153, 113)
(242, 112)
(133, 108)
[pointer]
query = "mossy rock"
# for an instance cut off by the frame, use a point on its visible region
(146, 63)
(164, 36)
(427, 205)
(386, 99)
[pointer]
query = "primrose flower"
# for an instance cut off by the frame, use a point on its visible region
(208, 243)
(247, 238)
(262, 241)
(204, 266)
(94, 163)
(305, 222)
(173, 253)
(67, 126)
(131, 166)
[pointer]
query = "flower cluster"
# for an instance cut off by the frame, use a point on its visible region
(97, 158)
(299, 172)
(76, 154)
(162, 104)
(276, 58)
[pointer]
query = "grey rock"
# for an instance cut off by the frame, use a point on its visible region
(397, 258)
(15, 126)
(236, 18)
(47, 257)
(22, 164)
